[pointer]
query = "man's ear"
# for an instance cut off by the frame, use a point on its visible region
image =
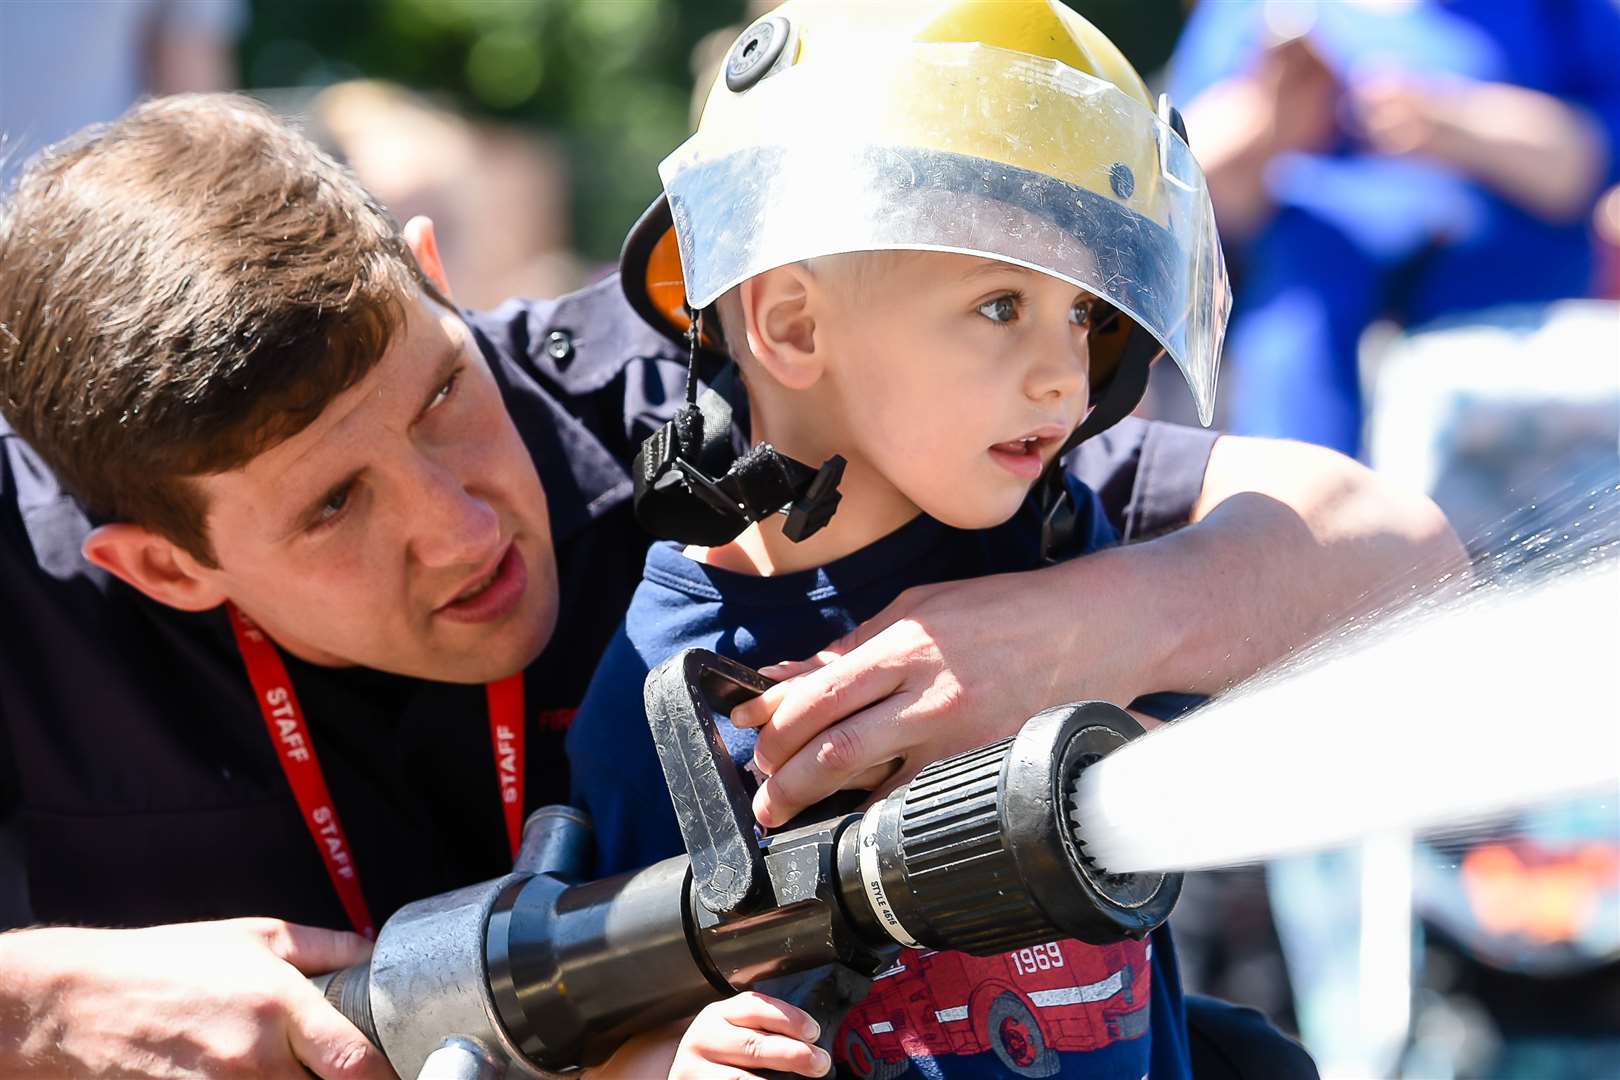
(154, 564)
(419, 237)
(779, 319)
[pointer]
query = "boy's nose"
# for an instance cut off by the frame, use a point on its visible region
(1060, 369)
(451, 526)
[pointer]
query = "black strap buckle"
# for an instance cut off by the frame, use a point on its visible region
(810, 512)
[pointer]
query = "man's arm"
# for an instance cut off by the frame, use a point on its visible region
(203, 999)
(1291, 541)
(1288, 540)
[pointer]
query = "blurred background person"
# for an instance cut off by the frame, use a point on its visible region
(1608, 232)
(499, 192)
(538, 124)
(65, 65)
(1404, 159)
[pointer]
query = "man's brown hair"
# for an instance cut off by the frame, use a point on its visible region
(181, 290)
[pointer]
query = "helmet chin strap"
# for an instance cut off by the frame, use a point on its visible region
(1059, 516)
(693, 486)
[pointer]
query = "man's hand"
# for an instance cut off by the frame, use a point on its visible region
(944, 668)
(217, 999)
(1290, 540)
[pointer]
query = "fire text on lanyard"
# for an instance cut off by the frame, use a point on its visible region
(289, 732)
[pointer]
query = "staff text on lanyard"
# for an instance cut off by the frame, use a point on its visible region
(289, 732)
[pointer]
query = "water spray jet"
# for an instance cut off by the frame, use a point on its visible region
(1503, 699)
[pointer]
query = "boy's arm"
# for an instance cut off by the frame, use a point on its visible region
(1287, 541)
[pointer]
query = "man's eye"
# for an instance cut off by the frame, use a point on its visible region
(1001, 309)
(446, 390)
(1081, 313)
(332, 508)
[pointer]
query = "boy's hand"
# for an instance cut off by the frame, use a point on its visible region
(752, 1033)
(734, 1039)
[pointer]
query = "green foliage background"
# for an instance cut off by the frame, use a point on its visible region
(610, 78)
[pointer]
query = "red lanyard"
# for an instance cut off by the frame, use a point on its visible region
(284, 719)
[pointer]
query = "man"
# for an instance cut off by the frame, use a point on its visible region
(281, 510)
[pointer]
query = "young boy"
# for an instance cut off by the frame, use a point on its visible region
(939, 240)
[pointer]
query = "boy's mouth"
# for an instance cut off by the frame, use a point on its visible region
(1026, 455)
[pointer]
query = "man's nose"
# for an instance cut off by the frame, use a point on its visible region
(451, 526)
(1060, 367)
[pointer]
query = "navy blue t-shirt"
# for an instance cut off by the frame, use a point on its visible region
(1109, 1012)
(137, 783)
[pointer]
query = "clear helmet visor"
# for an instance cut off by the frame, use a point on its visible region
(967, 149)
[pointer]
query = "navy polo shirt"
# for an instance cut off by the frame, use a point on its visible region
(137, 782)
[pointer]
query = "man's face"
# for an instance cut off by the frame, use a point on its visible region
(957, 378)
(404, 530)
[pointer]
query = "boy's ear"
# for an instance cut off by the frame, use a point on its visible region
(424, 244)
(779, 318)
(154, 564)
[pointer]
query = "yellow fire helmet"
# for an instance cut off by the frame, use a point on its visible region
(1007, 129)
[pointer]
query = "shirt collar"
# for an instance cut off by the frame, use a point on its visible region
(581, 478)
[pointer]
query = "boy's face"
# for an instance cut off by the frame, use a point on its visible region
(958, 377)
(404, 530)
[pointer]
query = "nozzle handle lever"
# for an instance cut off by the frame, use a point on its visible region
(711, 804)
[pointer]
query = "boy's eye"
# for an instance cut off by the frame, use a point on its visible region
(1000, 309)
(1081, 313)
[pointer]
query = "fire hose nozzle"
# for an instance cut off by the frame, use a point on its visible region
(985, 852)
(982, 852)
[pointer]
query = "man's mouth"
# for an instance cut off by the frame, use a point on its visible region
(477, 588)
(492, 594)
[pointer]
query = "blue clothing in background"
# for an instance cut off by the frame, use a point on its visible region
(63, 66)
(1357, 235)
(1096, 1017)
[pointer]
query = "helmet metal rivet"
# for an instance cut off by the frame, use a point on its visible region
(755, 53)
(1121, 179)
(560, 346)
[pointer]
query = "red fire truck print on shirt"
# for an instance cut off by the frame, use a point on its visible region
(1024, 1006)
